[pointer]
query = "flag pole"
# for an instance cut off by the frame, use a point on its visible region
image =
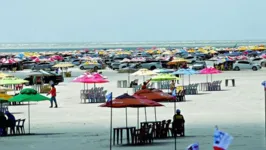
(111, 124)
(265, 109)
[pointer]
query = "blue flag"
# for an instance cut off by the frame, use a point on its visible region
(109, 97)
(174, 92)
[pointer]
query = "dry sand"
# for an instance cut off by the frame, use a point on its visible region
(73, 126)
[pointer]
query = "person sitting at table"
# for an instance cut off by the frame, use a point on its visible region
(144, 86)
(172, 86)
(11, 121)
(3, 123)
(178, 123)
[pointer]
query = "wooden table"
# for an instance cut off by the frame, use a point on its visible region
(118, 135)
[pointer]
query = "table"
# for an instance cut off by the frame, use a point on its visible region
(204, 86)
(118, 133)
(232, 80)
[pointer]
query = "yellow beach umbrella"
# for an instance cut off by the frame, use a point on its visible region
(175, 61)
(5, 97)
(243, 48)
(3, 75)
(167, 53)
(63, 65)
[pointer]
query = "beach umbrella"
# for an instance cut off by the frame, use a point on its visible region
(28, 95)
(3, 75)
(125, 101)
(63, 65)
(91, 78)
(8, 61)
(4, 98)
(210, 71)
(164, 77)
(185, 72)
(12, 81)
(143, 72)
(163, 70)
(37, 60)
(176, 61)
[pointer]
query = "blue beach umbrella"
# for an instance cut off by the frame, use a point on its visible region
(163, 70)
(185, 72)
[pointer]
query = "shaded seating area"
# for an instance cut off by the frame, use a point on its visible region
(10, 126)
(93, 95)
(191, 89)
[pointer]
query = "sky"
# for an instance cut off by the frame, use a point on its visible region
(131, 20)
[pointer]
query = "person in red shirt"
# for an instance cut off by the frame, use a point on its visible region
(53, 95)
(144, 86)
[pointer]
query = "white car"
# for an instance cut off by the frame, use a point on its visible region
(90, 66)
(260, 61)
(242, 65)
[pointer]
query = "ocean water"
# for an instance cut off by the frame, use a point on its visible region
(39, 47)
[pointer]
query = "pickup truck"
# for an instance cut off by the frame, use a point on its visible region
(56, 78)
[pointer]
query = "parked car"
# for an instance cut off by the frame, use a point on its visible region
(147, 65)
(94, 66)
(28, 64)
(77, 62)
(43, 66)
(115, 65)
(56, 78)
(260, 61)
(198, 65)
(191, 59)
(242, 64)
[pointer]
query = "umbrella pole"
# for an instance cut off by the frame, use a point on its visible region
(182, 80)
(211, 77)
(175, 106)
(128, 77)
(29, 115)
(207, 78)
(145, 114)
(188, 79)
(155, 114)
(137, 118)
(126, 117)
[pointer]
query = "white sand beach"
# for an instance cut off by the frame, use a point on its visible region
(238, 111)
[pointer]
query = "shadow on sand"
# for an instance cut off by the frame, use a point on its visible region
(24, 104)
(34, 134)
(157, 142)
(199, 94)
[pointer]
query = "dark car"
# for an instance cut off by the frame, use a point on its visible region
(43, 66)
(55, 78)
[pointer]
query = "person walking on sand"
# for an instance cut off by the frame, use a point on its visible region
(53, 96)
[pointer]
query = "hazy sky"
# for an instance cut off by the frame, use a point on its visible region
(131, 20)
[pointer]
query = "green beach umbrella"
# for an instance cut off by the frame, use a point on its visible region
(12, 81)
(164, 77)
(28, 95)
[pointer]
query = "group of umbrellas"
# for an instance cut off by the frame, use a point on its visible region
(168, 74)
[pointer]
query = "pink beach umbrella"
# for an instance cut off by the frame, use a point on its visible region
(9, 61)
(91, 78)
(37, 60)
(51, 59)
(210, 71)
